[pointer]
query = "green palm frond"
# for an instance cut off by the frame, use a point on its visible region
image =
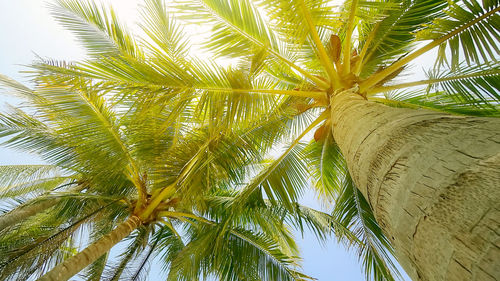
(15, 88)
(393, 36)
(283, 179)
(58, 106)
(171, 245)
(65, 122)
(259, 216)
(289, 20)
(327, 166)
(352, 212)
(22, 258)
(94, 271)
(464, 26)
(285, 183)
(17, 180)
(374, 249)
(323, 225)
(96, 27)
(161, 28)
(466, 85)
(223, 109)
(138, 270)
(237, 26)
(200, 258)
(439, 101)
(478, 31)
(477, 84)
(28, 134)
(90, 118)
(33, 198)
(139, 240)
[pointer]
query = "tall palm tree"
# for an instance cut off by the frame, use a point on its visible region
(404, 159)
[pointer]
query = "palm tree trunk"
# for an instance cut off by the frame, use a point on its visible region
(24, 212)
(433, 182)
(75, 264)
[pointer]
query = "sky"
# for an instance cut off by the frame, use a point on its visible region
(27, 30)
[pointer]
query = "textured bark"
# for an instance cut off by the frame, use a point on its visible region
(433, 181)
(76, 263)
(24, 212)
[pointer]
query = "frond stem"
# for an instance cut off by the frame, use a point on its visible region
(382, 89)
(132, 167)
(165, 193)
(395, 103)
(347, 41)
(323, 56)
(316, 80)
(367, 44)
(305, 94)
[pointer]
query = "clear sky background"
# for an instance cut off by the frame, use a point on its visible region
(26, 29)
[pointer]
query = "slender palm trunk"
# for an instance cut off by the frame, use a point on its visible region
(75, 264)
(24, 212)
(433, 181)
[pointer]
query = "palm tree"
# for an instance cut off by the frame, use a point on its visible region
(106, 181)
(395, 157)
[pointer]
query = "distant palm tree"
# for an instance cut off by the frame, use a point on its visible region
(144, 169)
(156, 126)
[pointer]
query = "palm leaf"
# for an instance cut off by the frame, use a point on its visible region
(375, 251)
(478, 31)
(243, 246)
(477, 84)
(17, 180)
(394, 35)
(440, 101)
(237, 26)
(139, 240)
(96, 27)
(161, 28)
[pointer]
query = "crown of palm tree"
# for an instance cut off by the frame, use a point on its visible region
(142, 129)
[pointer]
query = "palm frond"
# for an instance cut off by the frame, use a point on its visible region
(375, 251)
(477, 84)
(139, 240)
(475, 29)
(394, 35)
(17, 180)
(243, 246)
(94, 271)
(96, 27)
(282, 180)
(22, 259)
(323, 225)
(440, 101)
(289, 20)
(15, 88)
(161, 28)
(237, 26)
(327, 166)
(139, 269)
(464, 28)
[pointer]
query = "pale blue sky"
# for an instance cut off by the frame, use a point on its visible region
(26, 29)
